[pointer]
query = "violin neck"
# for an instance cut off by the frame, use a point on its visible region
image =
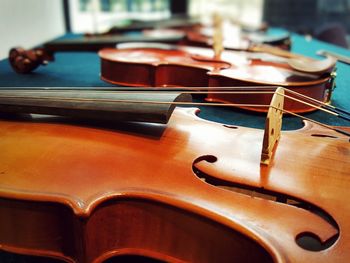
(100, 105)
(95, 43)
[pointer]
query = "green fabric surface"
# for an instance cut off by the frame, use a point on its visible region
(81, 69)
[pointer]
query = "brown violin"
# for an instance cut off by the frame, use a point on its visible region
(25, 61)
(177, 30)
(165, 31)
(182, 190)
(195, 67)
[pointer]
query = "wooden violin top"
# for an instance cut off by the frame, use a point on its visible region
(94, 173)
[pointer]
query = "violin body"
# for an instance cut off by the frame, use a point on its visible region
(89, 192)
(194, 67)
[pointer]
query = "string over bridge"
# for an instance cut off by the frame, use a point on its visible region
(218, 37)
(273, 126)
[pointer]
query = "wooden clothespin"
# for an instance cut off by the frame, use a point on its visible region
(273, 126)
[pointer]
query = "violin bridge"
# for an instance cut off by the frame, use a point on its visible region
(218, 38)
(273, 126)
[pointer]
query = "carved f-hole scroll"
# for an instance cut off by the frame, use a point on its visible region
(273, 126)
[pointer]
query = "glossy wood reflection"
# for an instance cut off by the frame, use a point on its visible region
(84, 192)
(195, 67)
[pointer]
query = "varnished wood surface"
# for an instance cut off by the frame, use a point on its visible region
(194, 67)
(138, 188)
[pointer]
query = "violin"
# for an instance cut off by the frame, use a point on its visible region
(178, 30)
(197, 34)
(182, 190)
(195, 67)
(165, 31)
(25, 61)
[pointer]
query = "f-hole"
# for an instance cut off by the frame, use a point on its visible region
(311, 242)
(6, 257)
(132, 259)
(305, 240)
(323, 135)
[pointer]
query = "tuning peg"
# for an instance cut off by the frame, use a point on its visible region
(25, 61)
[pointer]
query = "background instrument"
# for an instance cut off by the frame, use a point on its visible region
(179, 30)
(25, 61)
(339, 57)
(196, 67)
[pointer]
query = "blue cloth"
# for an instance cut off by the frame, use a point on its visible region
(81, 69)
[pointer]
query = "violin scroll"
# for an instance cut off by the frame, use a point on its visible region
(25, 61)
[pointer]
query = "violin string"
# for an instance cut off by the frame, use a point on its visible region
(221, 92)
(206, 104)
(327, 106)
(212, 92)
(317, 122)
(174, 92)
(159, 102)
(186, 103)
(141, 101)
(194, 90)
(160, 89)
(306, 103)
